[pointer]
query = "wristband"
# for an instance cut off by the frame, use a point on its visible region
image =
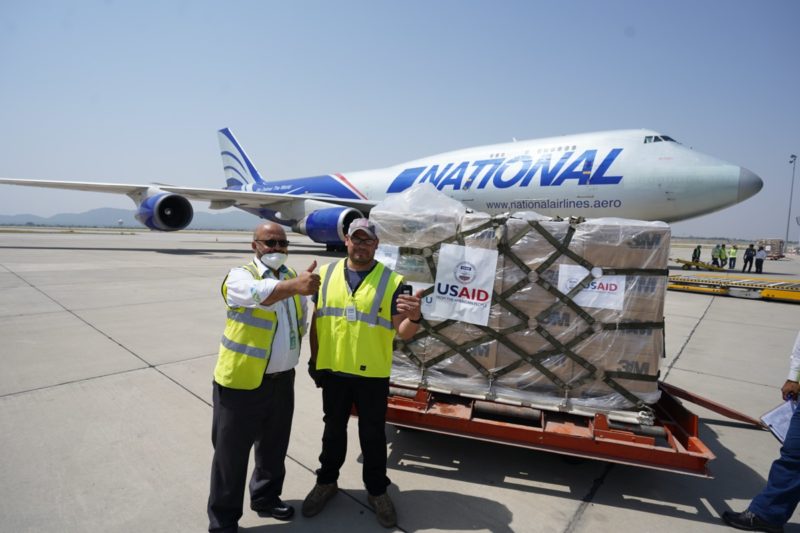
(415, 321)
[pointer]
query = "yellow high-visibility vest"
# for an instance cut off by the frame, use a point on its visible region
(246, 344)
(354, 330)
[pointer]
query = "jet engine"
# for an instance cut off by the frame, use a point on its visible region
(328, 226)
(165, 212)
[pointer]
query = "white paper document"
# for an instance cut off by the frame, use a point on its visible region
(777, 420)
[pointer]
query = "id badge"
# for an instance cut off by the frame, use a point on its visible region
(350, 313)
(292, 340)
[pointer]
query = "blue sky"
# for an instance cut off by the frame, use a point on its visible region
(134, 92)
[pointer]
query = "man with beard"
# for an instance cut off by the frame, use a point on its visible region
(359, 309)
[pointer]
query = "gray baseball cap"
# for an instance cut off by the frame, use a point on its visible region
(362, 224)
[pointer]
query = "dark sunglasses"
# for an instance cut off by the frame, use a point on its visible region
(272, 243)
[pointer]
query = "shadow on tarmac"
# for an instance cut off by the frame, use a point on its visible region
(425, 508)
(689, 498)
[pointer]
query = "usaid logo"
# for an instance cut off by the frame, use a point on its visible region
(605, 292)
(465, 272)
(571, 283)
(594, 285)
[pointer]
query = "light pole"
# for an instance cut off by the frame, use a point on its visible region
(793, 162)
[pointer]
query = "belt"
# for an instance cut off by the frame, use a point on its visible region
(278, 375)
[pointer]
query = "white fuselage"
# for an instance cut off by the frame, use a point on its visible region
(612, 173)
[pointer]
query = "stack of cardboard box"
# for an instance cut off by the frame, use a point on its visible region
(600, 348)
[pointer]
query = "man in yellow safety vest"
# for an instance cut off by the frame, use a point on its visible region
(254, 380)
(359, 308)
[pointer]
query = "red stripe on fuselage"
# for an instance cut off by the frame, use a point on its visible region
(350, 185)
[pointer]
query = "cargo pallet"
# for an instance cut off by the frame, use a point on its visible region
(738, 286)
(671, 443)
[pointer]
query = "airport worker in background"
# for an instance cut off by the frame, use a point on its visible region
(733, 254)
(723, 256)
(761, 254)
(775, 504)
(696, 255)
(254, 380)
(715, 255)
(358, 311)
(749, 255)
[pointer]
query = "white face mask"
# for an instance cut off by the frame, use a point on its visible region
(274, 260)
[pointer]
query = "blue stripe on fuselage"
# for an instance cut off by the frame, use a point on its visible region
(320, 185)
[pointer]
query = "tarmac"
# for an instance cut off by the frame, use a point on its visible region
(109, 339)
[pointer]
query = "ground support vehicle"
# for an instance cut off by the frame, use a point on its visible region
(739, 286)
(775, 248)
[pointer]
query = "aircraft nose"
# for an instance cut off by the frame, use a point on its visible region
(749, 184)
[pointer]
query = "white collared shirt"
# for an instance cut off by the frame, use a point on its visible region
(244, 291)
(794, 361)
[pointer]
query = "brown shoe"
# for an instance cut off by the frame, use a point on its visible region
(384, 509)
(318, 497)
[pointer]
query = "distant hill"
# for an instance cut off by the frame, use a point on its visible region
(107, 217)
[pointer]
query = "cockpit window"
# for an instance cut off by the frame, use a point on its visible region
(658, 139)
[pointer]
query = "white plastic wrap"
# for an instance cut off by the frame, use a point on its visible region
(420, 216)
(556, 354)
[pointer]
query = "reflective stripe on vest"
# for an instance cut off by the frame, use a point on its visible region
(246, 344)
(370, 318)
(362, 346)
(246, 317)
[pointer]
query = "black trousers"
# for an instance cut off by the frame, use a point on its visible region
(759, 266)
(369, 395)
(242, 419)
(748, 264)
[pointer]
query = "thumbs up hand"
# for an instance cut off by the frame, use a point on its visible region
(307, 282)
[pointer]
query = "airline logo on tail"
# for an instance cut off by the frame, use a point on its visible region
(239, 170)
(241, 174)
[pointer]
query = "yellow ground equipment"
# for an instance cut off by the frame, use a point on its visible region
(738, 286)
(699, 265)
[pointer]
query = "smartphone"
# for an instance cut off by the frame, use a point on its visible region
(405, 289)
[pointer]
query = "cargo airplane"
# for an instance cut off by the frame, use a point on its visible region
(637, 174)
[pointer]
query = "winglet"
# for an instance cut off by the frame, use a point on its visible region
(238, 168)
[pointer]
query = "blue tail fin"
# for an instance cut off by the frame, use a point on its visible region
(238, 168)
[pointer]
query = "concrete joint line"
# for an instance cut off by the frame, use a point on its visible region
(596, 484)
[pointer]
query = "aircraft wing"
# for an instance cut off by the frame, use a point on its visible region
(220, 196)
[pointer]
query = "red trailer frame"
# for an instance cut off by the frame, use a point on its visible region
(671, 443)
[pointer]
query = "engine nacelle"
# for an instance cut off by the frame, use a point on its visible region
(328, 226)
(165, 212)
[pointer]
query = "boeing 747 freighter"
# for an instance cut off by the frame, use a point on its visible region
(637, 174)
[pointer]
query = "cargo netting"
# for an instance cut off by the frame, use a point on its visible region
(542, 346)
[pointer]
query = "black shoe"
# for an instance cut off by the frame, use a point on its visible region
(279, 510)
(749, 522)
